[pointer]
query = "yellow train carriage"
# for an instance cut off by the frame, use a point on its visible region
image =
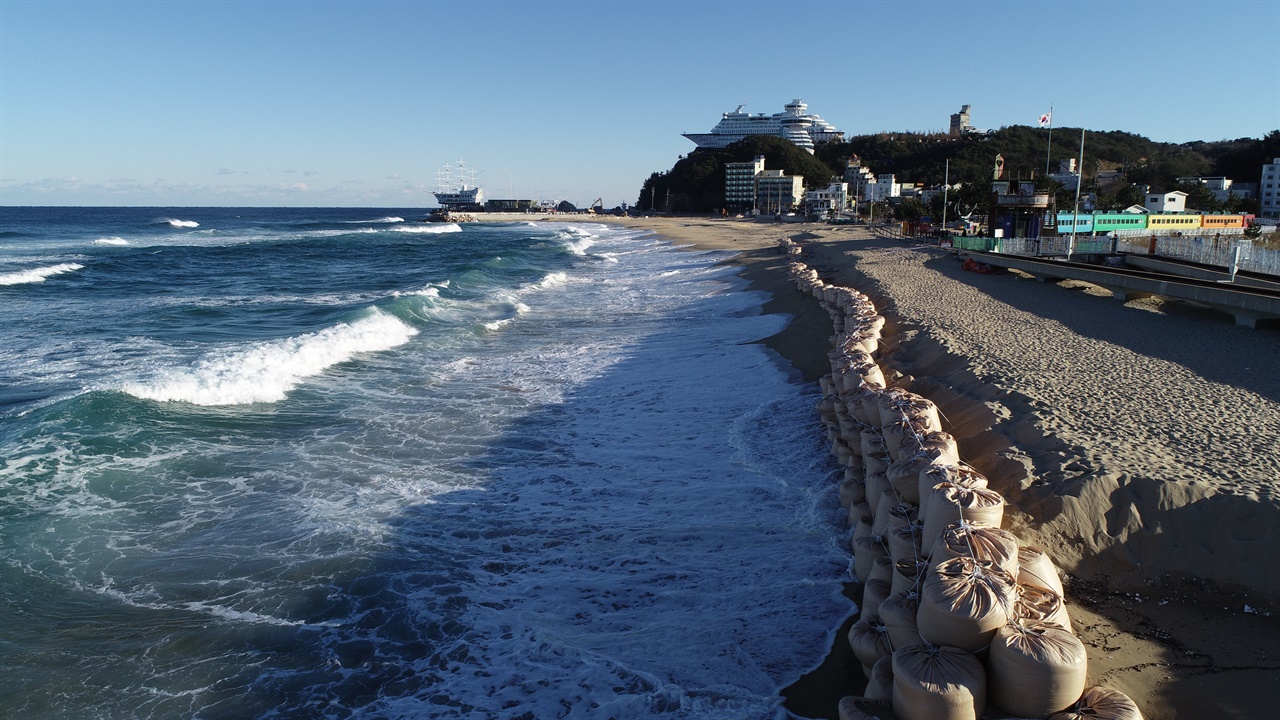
(1220, 222)
(1174, 222)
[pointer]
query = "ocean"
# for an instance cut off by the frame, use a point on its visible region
(340, 463)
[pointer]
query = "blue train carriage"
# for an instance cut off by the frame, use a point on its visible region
(1174, 222)
(1083, 223)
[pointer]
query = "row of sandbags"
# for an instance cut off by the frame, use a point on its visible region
(957, 618)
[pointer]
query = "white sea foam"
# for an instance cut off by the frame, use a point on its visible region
(429, 229)
(173, 222)
(111, 241)
(551, 280)
(265, 372)
(36, 275)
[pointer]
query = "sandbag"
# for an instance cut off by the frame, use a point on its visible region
(899, 431)
(898, 613)
(874, 593)
(937, 683)
(948, 503)
(1099, 703)
(933, 475)
(940, 446)
(1033, 604)
(892, 512)
(869, 641)
(1037, 570)
(903, 541)
(875, 456)
(852, 490)
(865, 551)
(908, 575)
(980, 541)
(918, 409)
(876, 483)
(865, 708)
(963, 602)
(880, 680)
(882, 569)
(904, 476)
(1034, 669)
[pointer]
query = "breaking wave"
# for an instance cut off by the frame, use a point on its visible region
(36, 275)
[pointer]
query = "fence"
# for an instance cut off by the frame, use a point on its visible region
(1215, 250)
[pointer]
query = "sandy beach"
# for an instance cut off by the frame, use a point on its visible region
(1138, 444)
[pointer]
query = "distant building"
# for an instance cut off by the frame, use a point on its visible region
(1019, 210)
(832, 199)
(960, 121)
(740, 184)
(1174, 201)
(858, 177)
(960, 124)
(1067, 175)
(1223, 188)
(794, 123)
(885, 187)
(776, 192)
(1269, 190)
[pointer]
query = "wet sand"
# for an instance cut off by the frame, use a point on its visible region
(1137, 443)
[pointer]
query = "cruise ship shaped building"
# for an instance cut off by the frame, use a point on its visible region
(794, 123)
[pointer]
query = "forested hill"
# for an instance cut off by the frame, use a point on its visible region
(696, 182)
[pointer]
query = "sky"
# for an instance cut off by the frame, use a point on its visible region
(301, 103)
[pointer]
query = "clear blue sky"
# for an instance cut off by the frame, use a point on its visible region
(359, 103)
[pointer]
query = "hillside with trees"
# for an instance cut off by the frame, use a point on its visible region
(696, 182)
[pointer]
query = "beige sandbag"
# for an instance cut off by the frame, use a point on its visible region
(980, 541)
(891, 512)
(937, 683)
(887, 406)
(862, 527)
(899, 431)
(920, 410)
(933, 475)
(963, 602)
(904, 476)
(948, 503)
(908, 575)
(875, 457)
(876, 484)
(882, 569)
(860, 403)
(880, 680)
(1037, 570)
(898, 613)
(1033, 604)
(1099, 703)
(852, 490)
(869, 641)
(1034, 669)
(865, 552)
(865, 708)
(903, 541)
(940, 446)
(874, 593)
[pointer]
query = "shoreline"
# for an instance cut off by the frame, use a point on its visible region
(1116, 516)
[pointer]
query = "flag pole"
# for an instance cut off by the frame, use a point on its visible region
(1050, 148)
(1075, 216)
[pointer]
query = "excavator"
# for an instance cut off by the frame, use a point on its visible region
(597, 203)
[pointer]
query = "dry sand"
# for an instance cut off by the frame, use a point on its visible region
(1137, 443)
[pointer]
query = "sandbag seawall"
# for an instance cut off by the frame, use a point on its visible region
(960, 609)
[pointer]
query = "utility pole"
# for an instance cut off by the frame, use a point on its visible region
(946, 185)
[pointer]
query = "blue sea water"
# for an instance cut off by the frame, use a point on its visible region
(338, 463)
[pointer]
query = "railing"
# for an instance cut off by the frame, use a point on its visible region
(1216, 250)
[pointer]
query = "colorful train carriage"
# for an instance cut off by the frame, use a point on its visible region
(1220, 222)
(1174, 222)
(1083, 223)
(1106, 222)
